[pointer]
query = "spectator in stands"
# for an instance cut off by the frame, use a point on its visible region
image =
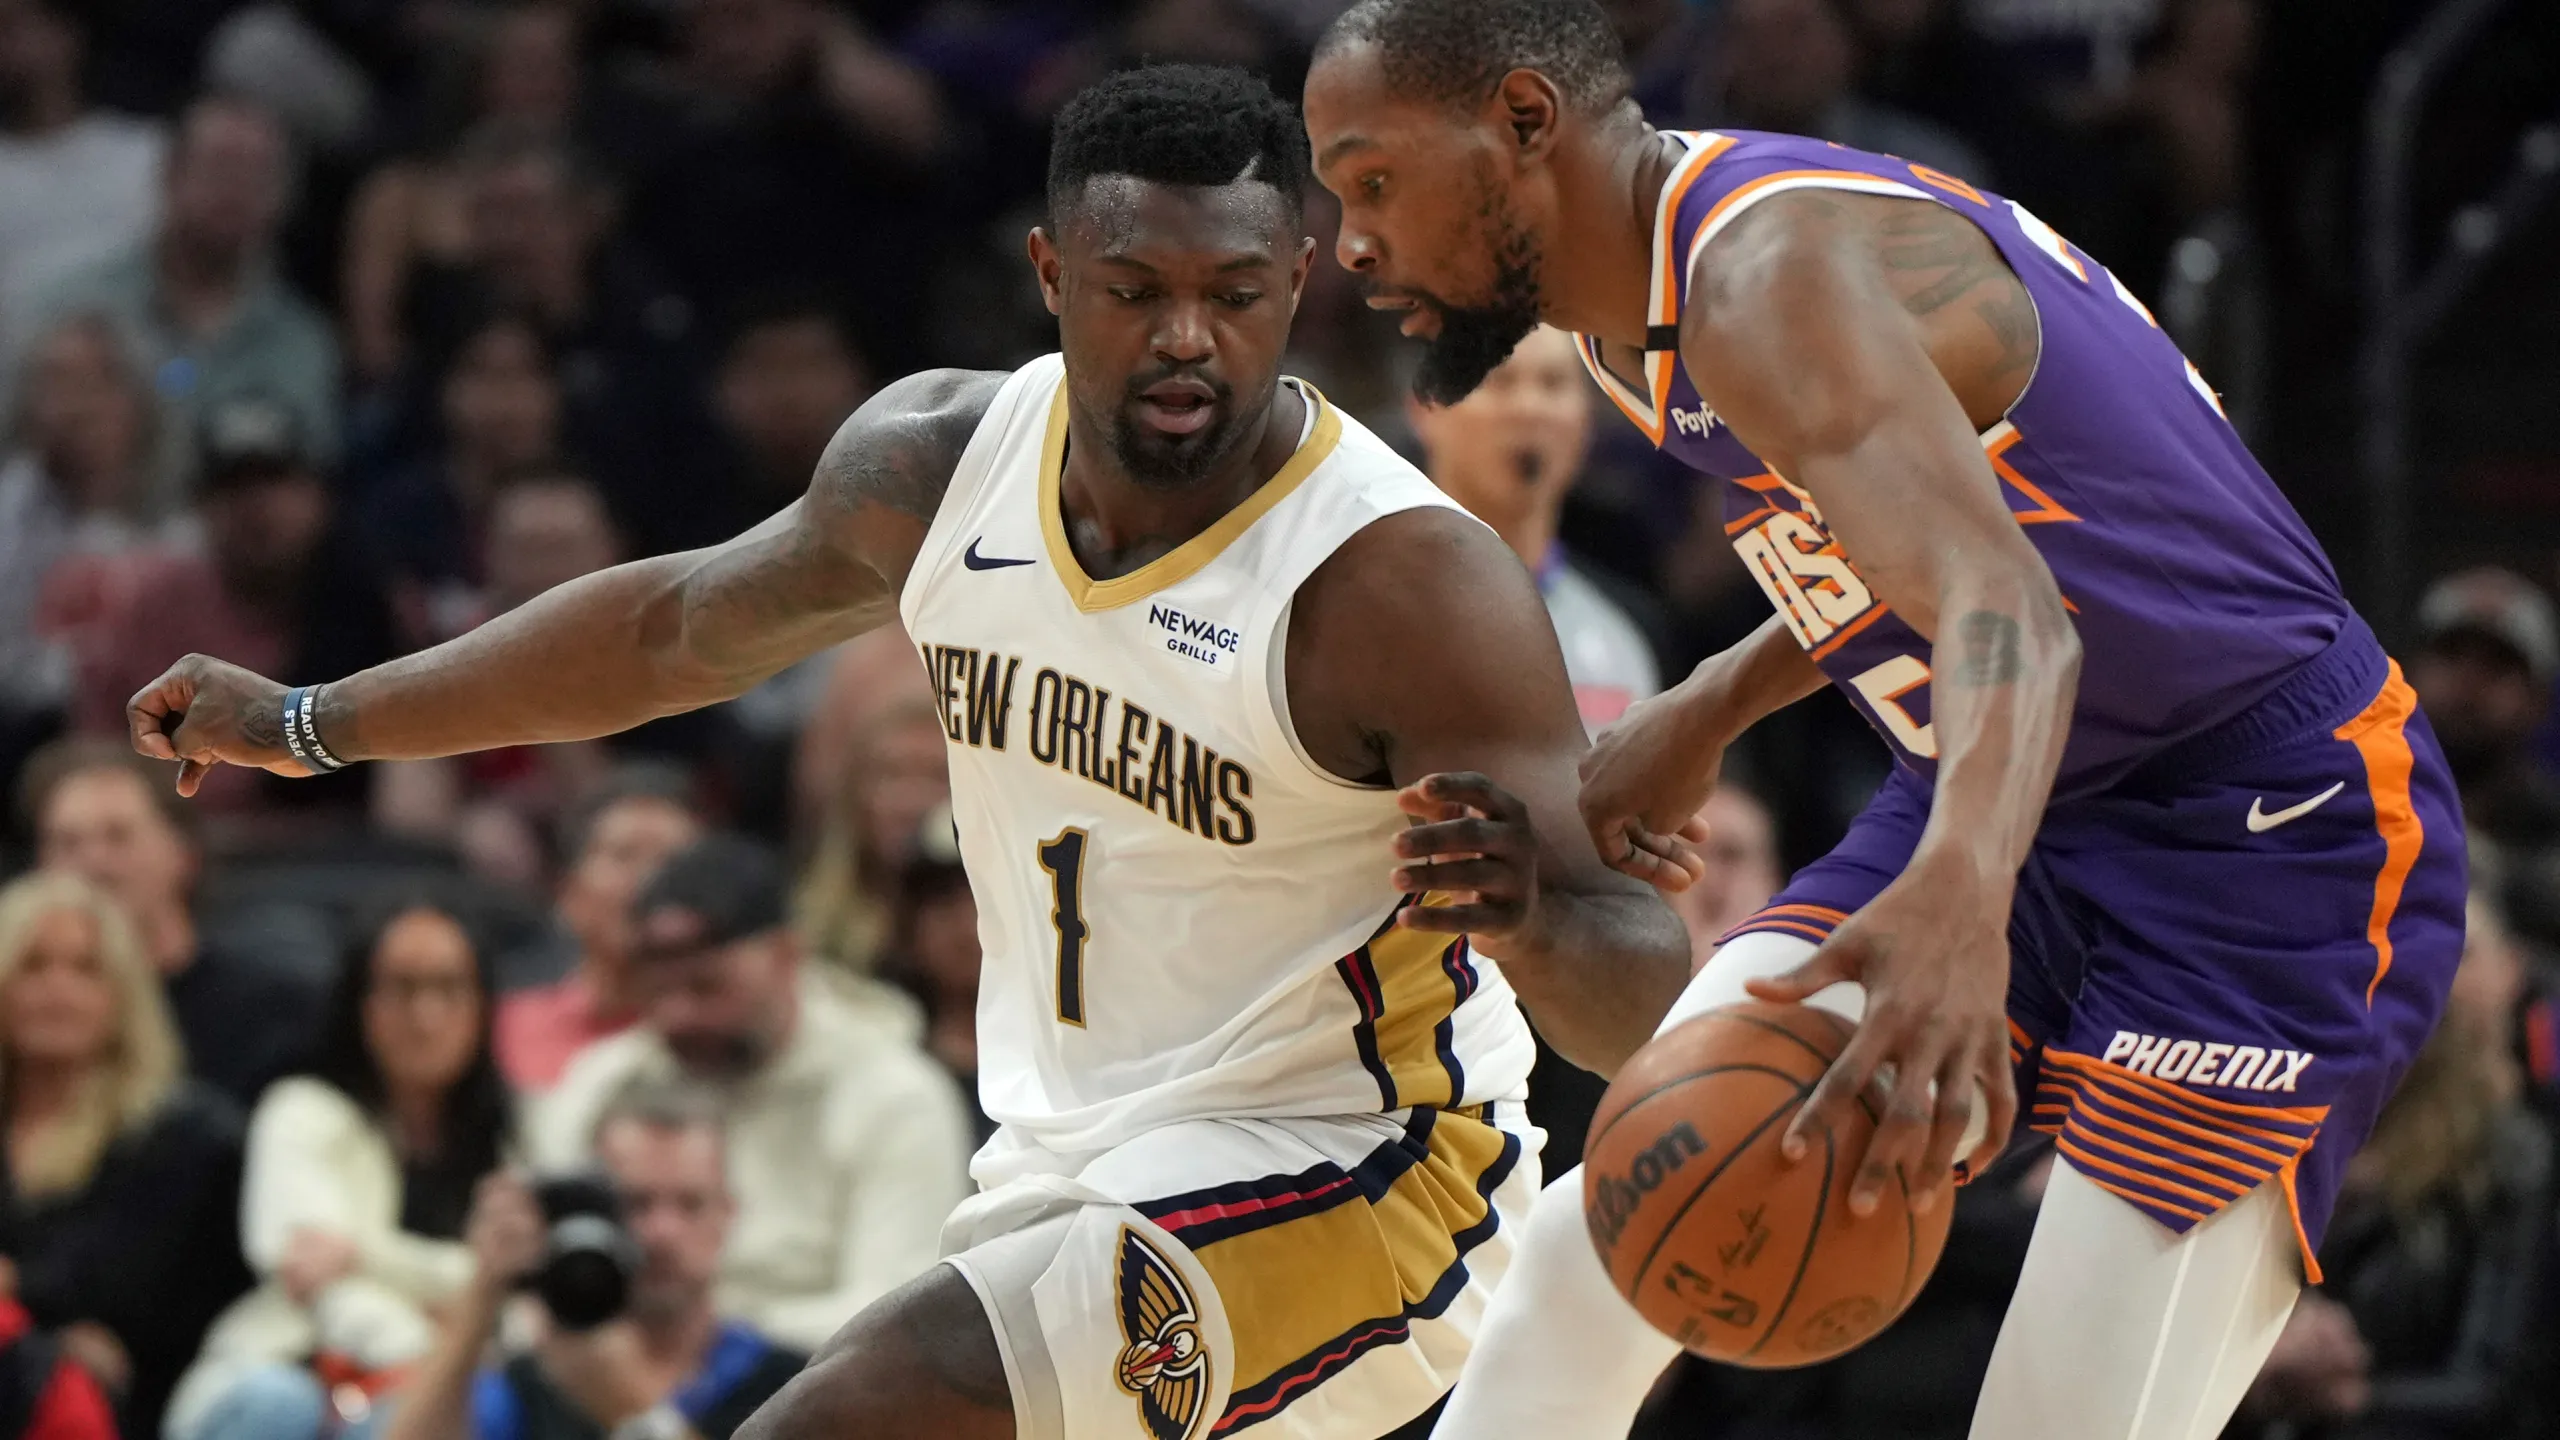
(414, 209)
(499, 412)
(359, 1180)
(894, 775)
(43, 1395)
(543, 247)
(808, 158)
(790, 376)
(1792, 65)
(214, 317)
(544, 527)
(1741, 852)
(934, 954)
(104, 814)
(278, 583)
(1510, 453)
(76, 497)
(74, 180)
(2488, 649)
(678, 1362)
(847, 1144)
(627, 830)
(120, 1198)
(2436, 1316)
(864, 677)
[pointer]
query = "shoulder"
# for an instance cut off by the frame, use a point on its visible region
(1420, 565)
(899, 450)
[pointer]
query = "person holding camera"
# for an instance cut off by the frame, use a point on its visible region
(628, 1344)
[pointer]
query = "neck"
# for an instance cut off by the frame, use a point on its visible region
(678, 1339)
(173, 940)
(608, 979)
(1597, 275)
(45, 108)
(1117, 525)
(417, 1120)
(41, 1092)
(200, 283)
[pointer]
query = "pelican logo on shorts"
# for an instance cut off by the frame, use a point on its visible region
(1620, 1194)
(1166, 1362)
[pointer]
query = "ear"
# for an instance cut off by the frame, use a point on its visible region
(1299, 271)
(1050, 267)
(1530, 110)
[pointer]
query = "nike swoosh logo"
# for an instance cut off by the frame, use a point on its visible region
(2260, 822)
(976, 561)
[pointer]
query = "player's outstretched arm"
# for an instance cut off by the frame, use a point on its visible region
(1420, 654)
(604, 653)
(1854, 343)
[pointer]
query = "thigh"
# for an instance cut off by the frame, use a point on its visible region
(2185, 1319)
(1313, 1279)
(2265, 952)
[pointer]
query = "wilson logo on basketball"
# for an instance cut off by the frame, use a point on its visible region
(1619, 1196)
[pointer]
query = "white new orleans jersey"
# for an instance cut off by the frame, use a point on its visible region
(1183, 916)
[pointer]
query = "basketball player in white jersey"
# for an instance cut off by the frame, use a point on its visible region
(1261, 1151)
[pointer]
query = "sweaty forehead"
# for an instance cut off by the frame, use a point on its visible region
(1124, 217)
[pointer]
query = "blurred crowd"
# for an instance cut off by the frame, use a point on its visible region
(516, 1094)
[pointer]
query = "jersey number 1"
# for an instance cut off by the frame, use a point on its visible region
(1063, 858)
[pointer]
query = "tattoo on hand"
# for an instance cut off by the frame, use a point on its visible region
(1989, 649)
(263, 725)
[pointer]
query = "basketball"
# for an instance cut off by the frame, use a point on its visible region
(1704, 1226)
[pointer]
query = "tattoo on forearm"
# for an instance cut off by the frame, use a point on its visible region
(1987, 649)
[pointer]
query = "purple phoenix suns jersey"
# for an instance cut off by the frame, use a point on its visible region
(2194, 586)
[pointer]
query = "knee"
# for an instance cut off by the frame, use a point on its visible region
(921, 1361)
(272, 1402)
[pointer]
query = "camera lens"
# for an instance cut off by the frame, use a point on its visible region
(585, 1279)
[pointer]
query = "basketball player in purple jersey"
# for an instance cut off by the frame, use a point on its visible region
(2169, 856)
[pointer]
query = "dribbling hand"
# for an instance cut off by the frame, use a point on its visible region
(205, 712)
(1934, 958)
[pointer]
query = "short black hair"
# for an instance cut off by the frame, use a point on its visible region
(1179, 125)
(1456, 51)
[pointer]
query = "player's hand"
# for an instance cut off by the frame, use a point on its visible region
(1933, 954)
(1474, 845)
(206, 712)
(1643, 783)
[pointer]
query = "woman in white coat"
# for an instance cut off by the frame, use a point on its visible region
(358, 1180)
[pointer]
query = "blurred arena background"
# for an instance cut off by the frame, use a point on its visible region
(329, 329)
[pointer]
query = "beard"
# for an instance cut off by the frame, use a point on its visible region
(1157, 461)
(1474, 340)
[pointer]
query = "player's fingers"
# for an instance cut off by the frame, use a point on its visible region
(1951, 1110)
(1838, 959)
(1677, 847)
(1694, 830)
(1662, 872)
(1485, 877)
(1841, 1086)
(1476, 916)
(1468, 836)
(191, 774)
(1999, 1082)
(147, 715)
(1477, 792)
(1902, 1132)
